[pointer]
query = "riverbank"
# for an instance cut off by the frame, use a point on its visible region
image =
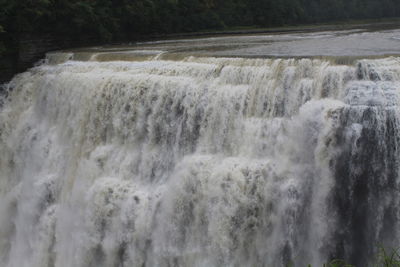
(335, 25)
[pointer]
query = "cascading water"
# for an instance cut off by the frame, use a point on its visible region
(200, 162)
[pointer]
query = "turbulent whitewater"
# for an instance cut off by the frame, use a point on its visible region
(200, 162)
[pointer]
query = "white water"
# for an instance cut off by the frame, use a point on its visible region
(200, 162)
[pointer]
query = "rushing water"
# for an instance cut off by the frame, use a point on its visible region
(201, 161)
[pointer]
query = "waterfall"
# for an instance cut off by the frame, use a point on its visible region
(199, 162)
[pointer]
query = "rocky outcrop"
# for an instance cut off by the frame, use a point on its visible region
(33, 48)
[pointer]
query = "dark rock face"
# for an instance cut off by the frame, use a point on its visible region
(8, 67)
(33, 48)
(30, 50)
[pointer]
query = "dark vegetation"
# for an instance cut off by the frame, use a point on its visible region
(109, 20)
(101, 21)
(385, 258)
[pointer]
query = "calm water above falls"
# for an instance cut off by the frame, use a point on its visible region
(202, 160)
(354, 43)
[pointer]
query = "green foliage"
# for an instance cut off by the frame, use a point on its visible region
(384, 258)
(388, 259)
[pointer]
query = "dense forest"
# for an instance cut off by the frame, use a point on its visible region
(122, 20)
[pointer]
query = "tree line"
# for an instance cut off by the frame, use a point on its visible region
(122, 20)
